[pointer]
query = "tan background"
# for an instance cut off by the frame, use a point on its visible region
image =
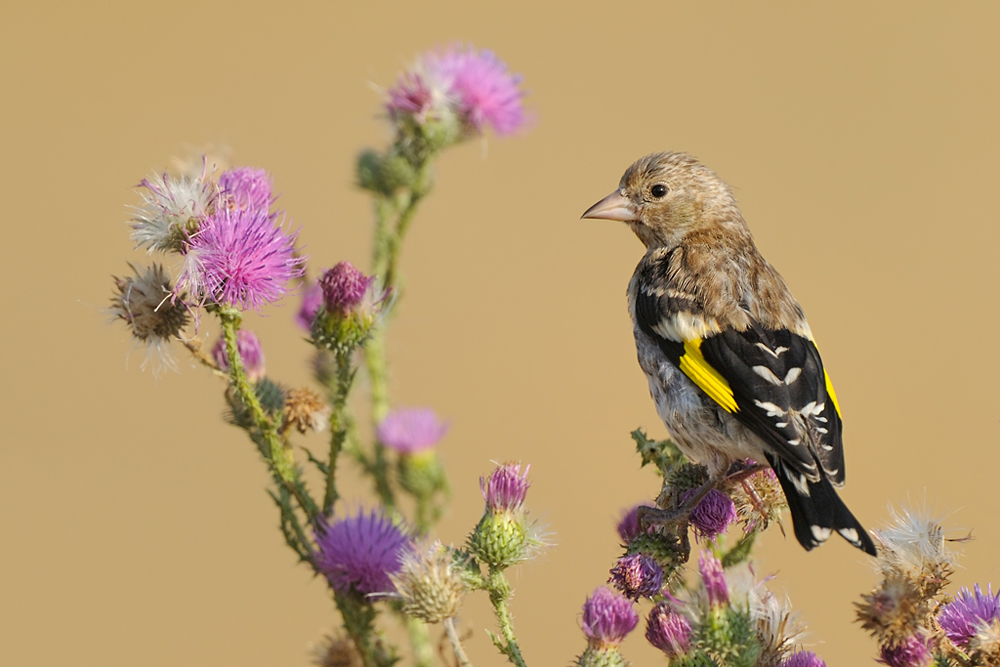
(861, 139)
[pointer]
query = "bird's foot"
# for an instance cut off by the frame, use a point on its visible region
(741, 474)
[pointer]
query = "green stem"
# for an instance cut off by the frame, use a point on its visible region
(338, 427)
(278, 458)
(359, 622)
(499, 590)
(420, 640)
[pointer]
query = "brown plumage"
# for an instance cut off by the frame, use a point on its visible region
(730, 359)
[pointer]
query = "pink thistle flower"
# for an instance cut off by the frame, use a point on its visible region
(505, 488)
(637, 576)
(713, 514)
(962, 618)
(250, 351)
(312, 300)
(608, 618)
(411, 430)
(419, 95)
(241, 258)
(714, 578)
(246, 187)
(669, 631)
(360, 552)
(472, 86)
(911, 653)
(487, 93)
(803, 659)
(344, 287)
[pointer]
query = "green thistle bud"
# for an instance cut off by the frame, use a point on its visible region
(421, 474)
(504, 536)
(501, 539)
(601, 657)
(385, 174)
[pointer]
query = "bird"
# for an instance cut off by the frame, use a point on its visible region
(731, 362)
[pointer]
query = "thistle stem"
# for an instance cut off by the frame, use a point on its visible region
(499, 589)
(278, 458)
(339, 424)
(456, 642)
(420, 640)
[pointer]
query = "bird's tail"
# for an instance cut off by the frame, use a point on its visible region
(817, 510)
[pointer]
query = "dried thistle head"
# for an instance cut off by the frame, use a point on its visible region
(147, 304)
(336, 650)
(306, 411)
(894, 611)
(431, 584)
(759, 501)
(778, 627)
(914, 547)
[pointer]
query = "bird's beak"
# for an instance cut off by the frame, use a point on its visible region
(613, 207)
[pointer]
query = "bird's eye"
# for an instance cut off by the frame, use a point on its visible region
(658, 191)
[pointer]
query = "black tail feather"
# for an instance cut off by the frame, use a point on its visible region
(817, 510)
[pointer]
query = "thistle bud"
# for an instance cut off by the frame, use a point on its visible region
(607, 619)
(352, 305)
(250, 351)
(504, 536)
(669, 631)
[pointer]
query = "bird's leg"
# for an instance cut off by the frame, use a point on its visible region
(746, 473)
(655, 516)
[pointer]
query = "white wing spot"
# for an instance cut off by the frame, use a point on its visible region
(822, 419)
(770, 408)
(781, 424)
(827, 447)
(800, 482)
(850, 535)
(795, 442)
(767, 374)
(820, 533)
(819, 429)
(792, 375)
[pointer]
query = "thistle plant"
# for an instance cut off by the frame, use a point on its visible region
(224, 250)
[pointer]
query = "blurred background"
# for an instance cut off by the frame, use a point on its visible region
(861, 140)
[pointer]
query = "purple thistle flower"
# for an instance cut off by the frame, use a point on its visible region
(411, 430)
(962, 617)
(415, 95)
(628, 525)
(240, 258)
(312, 300)
(803, 659)
(505, 488)
(344, 287)
(473, 85)
(714, 579)
(487, 93)
(247, 187)
(637, 576)
(713, 514)
(360, 552)
(608, 617)
(911, 653)
(668, 630)
(250, 351)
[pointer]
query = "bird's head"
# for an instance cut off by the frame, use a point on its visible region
(664, 197)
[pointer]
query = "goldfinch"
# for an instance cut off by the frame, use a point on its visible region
(730, 359)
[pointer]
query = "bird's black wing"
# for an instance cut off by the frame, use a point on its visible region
(771, 381)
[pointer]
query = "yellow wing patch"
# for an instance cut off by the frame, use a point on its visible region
(699, 371)
(833, 394)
